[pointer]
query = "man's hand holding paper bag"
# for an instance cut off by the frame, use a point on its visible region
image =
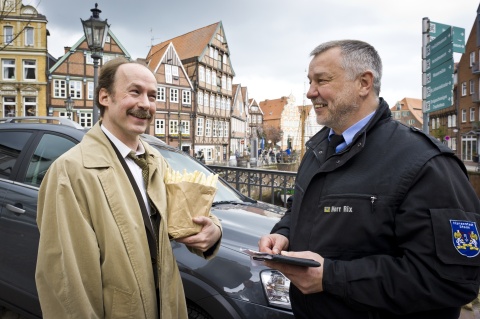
(189, 200)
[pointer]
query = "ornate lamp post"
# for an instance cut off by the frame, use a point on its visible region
(96, 31)
(69, 104)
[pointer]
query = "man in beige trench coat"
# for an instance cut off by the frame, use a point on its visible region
(94, 259)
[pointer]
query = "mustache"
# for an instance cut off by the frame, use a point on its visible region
(140, 113)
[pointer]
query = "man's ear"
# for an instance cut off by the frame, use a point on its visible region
(365, 83)
(103, 97)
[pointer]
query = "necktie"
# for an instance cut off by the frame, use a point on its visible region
(142, 162)
(335, 140)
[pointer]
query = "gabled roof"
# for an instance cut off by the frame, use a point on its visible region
(413, 105)
(160, 56)
(76, 45)
(193, 44)
(272, 109)
(253, 102)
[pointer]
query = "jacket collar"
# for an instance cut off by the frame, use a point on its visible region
(97, 150)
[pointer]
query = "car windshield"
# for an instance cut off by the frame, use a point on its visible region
(179, 162)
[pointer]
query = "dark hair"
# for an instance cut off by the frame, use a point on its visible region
(106, 80)
(357, 57)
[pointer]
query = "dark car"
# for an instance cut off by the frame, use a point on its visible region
(228, 286)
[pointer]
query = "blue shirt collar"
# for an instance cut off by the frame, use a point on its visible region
(349, 133)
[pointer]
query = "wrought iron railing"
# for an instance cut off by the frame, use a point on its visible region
(270, 186)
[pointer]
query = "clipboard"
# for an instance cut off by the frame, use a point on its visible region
(286, 260)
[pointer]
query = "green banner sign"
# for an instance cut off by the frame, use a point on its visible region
(458, 35)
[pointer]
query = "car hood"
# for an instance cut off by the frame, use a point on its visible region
(244, 223)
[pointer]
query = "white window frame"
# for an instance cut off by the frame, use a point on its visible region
(28, 66)
(220, 128)
(173, 95)
(472, 114)
(175, 70)
(212, 100)
(208, 128)
(201, 74)
(173, 127)
(206, 99)
(7, 34)
(9, 101)
(186, 97)
(226, 129)
(168, 73)
(59, 88)
(464, 88)
(30, 102)
(472, 87)
(217, 102)
(85, 118)
(90, 90)
(160, 93)
(228, 105)
(76, 90)
(159, 127)
(208, 79)
(7, 65)
(222, 103)
(214, 131)
(472, 58)
(186, 127)
(29, 36)
(229, 84)
(200, 98)
(224, 82)
(464, 116)
(200, 126)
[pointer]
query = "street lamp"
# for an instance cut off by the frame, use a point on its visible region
(96, 31)
(69, 104)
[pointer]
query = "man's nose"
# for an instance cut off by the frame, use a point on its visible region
(312, 92)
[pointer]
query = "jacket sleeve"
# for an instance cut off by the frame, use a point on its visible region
(68, 275)
(427, 271)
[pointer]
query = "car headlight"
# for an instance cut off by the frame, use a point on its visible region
(276, 287)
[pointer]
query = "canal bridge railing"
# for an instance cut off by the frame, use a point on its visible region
(271, 186)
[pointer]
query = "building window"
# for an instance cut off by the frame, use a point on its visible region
(175, 71)
(215, 124)
(8, 69)
(59, 89)
(217, 102)
(208, 75)
(174, 95)
(173, 127)
(201, 74)
(438, 122)
(90, 91)
(225, 129)
(472, 114)
(224, 82)
(205, 99)
(212, 100)
(454, 120)
(29, 36)
(186, 127)
(159, 127)
(7, 34)
(200, 98)
(214, 77)
(229, 103)
(472, 87)
(229, 84)
(76, 89)
(208, 128)
(222, 103)
(9, 106)
(453, 144)
(220, 128)
(30, 106)
(186, 97)
(168, 73)
(449, 121)
(212, 52)
(85, 119)
(464, 116)
(464, 88)
(161, 94)
(472, 58)
(200, 126)
(433, 124)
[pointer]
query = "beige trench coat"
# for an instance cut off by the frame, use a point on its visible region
(93, 258)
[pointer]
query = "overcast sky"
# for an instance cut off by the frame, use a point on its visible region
(270, 40)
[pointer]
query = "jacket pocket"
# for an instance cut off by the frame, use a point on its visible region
(456, 240)
(122, 305)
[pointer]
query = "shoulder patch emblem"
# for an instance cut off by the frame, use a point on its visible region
(465, 237)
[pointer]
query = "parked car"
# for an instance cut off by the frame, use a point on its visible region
(228, 286)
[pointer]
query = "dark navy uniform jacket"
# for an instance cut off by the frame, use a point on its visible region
(396, 219)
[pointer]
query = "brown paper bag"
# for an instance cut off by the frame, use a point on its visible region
(186, 200)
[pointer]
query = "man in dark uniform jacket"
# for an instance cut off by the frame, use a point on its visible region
(388, 212)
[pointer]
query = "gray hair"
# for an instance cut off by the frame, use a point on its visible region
(357, 57)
